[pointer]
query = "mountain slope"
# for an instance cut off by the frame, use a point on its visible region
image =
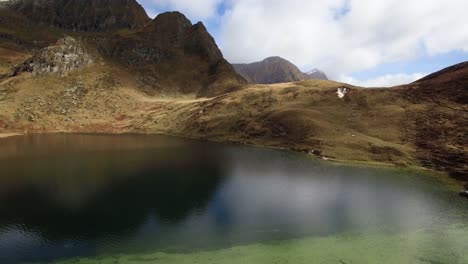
(173, 56)
(441, 127)
(167, 56)
(398, 126)
(148, 80)
(275, 70)
(83, 15)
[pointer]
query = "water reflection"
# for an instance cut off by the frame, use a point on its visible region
(81, 195)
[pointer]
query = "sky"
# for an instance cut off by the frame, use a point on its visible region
(362, 42)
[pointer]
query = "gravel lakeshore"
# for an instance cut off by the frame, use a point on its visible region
(5, 135)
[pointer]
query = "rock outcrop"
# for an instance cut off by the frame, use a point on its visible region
(68, 54)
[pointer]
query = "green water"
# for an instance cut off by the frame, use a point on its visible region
(154, 199)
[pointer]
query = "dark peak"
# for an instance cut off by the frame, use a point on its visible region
(83, 15)
(171, 19)
(200, 41)
(448, 84)
(182, 57)
(270, 70)
(275, 59)
(200, 26)
(449, 72)
(173, 29)
(169, 28)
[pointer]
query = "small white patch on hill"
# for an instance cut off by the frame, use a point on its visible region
(342, 92)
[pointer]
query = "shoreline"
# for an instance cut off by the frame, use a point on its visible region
(370, 163)
(337, 162)
(7, 135)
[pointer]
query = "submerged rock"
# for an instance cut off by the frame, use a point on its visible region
(66, 55)
(464, 194)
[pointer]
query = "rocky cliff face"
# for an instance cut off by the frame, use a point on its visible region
(167, 55)
(83, 15)
(66, 55)
(275, 70)
(178, 57)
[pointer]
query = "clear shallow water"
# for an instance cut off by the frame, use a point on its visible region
(154, 199)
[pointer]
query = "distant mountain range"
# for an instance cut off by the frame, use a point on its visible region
(316, 74)
(276, 70)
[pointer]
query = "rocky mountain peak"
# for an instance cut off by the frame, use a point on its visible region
(83, 15)
(175, 55)
(270, 70)
(275, 70)
(171, 20)
(315, 74)
(174, 30)
(275, 59)
(200, 41)
(167, 55)
(169, 29)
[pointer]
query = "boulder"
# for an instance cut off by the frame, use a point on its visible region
(464, 194)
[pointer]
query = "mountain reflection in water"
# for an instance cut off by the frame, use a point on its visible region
(85, 195)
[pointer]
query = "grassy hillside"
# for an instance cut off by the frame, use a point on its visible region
(149, 80)
(394, 126)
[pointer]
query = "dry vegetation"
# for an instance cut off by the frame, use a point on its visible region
(397, 126)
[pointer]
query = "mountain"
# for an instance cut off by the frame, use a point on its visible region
(270, 70)
(167, 76)
(441, 126)
(448, 83)
(83, 15)
(316, 74)
(168, 55)
(174, 55)
(422, 124)
(275, 70)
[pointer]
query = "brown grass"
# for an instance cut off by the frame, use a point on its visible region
(375, 126)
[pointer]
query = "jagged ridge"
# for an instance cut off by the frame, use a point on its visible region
(179, 57)
(83, 15)
(167, 55)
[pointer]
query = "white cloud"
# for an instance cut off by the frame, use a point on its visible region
(195, 10)
(152, 13)
(341, 37)
(313, 33)
(388, 80)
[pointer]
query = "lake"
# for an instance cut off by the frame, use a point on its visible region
(158, 199)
